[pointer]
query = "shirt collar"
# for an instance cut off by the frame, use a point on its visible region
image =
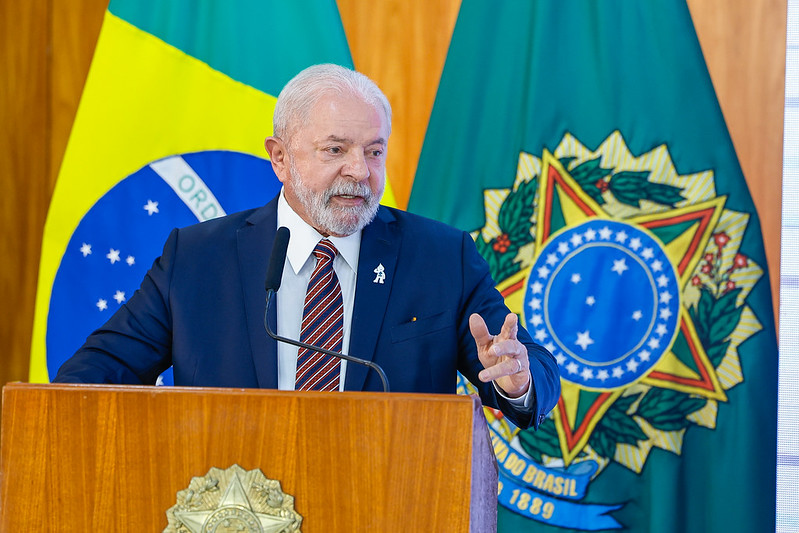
(304, 238)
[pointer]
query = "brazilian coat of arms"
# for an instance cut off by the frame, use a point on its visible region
(631, 276)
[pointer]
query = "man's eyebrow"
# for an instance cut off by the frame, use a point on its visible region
(337, 139)
(345, 140)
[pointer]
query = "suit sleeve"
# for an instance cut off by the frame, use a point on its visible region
(481, 297)
(134, 346)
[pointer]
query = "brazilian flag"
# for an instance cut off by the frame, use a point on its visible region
(169, 132)
(582, 143)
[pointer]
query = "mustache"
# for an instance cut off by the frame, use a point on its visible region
(349, 188)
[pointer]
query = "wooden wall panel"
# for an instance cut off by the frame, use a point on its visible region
(744, 46)
(402, 46)
(25, 161)
(46, 47)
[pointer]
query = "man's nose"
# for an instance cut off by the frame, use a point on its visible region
(356, 167)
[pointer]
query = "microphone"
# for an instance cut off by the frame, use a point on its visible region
(274, 273)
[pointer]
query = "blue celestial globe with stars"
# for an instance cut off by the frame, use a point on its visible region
(604, 298)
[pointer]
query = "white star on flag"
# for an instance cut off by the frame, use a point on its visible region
(543, 272)
(605, 233)
(621, 236)
(101, 304)
(619, 266)
(602, 375)
(151, 207)
(119, 296)
(637, 315)
(113, 255)
(130, 260)
(584, 339)
(587, 374)
(590, 300)
(576, 278)
(635, 243)
(86, 249)
(653, 343)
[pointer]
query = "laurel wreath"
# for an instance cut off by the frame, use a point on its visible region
(515, 222)
(628, 187)
(715, 318)
(715, 315)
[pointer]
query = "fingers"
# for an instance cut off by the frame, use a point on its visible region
(507, 348)
(502, 355)
(510, 328)
(479, 330)
(508, 367)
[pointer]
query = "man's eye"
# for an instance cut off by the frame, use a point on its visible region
(377, 153)
(334, 149)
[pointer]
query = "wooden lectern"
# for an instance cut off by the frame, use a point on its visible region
(113, 458)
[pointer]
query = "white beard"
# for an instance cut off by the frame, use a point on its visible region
(334, 219)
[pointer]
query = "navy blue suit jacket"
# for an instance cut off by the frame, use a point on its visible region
(201, 308)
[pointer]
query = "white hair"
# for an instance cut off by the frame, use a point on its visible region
(295, 101)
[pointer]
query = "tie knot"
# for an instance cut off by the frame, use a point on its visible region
(325, 250)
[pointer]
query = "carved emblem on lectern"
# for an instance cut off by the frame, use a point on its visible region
(233, 500)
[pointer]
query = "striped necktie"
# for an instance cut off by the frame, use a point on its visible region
(322, 324)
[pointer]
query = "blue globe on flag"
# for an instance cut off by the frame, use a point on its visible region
(118, 239)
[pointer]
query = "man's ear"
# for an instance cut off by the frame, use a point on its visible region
(276, 149)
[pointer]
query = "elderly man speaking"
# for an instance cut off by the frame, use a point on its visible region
(409, 294)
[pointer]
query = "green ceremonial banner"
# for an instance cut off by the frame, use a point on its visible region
(169, 132)
(582, 142)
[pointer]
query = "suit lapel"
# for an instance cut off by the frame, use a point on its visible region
(254, 241)
(380, 243)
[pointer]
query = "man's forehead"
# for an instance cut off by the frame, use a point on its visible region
(350, 120)
(345, 102)
(345, 117)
